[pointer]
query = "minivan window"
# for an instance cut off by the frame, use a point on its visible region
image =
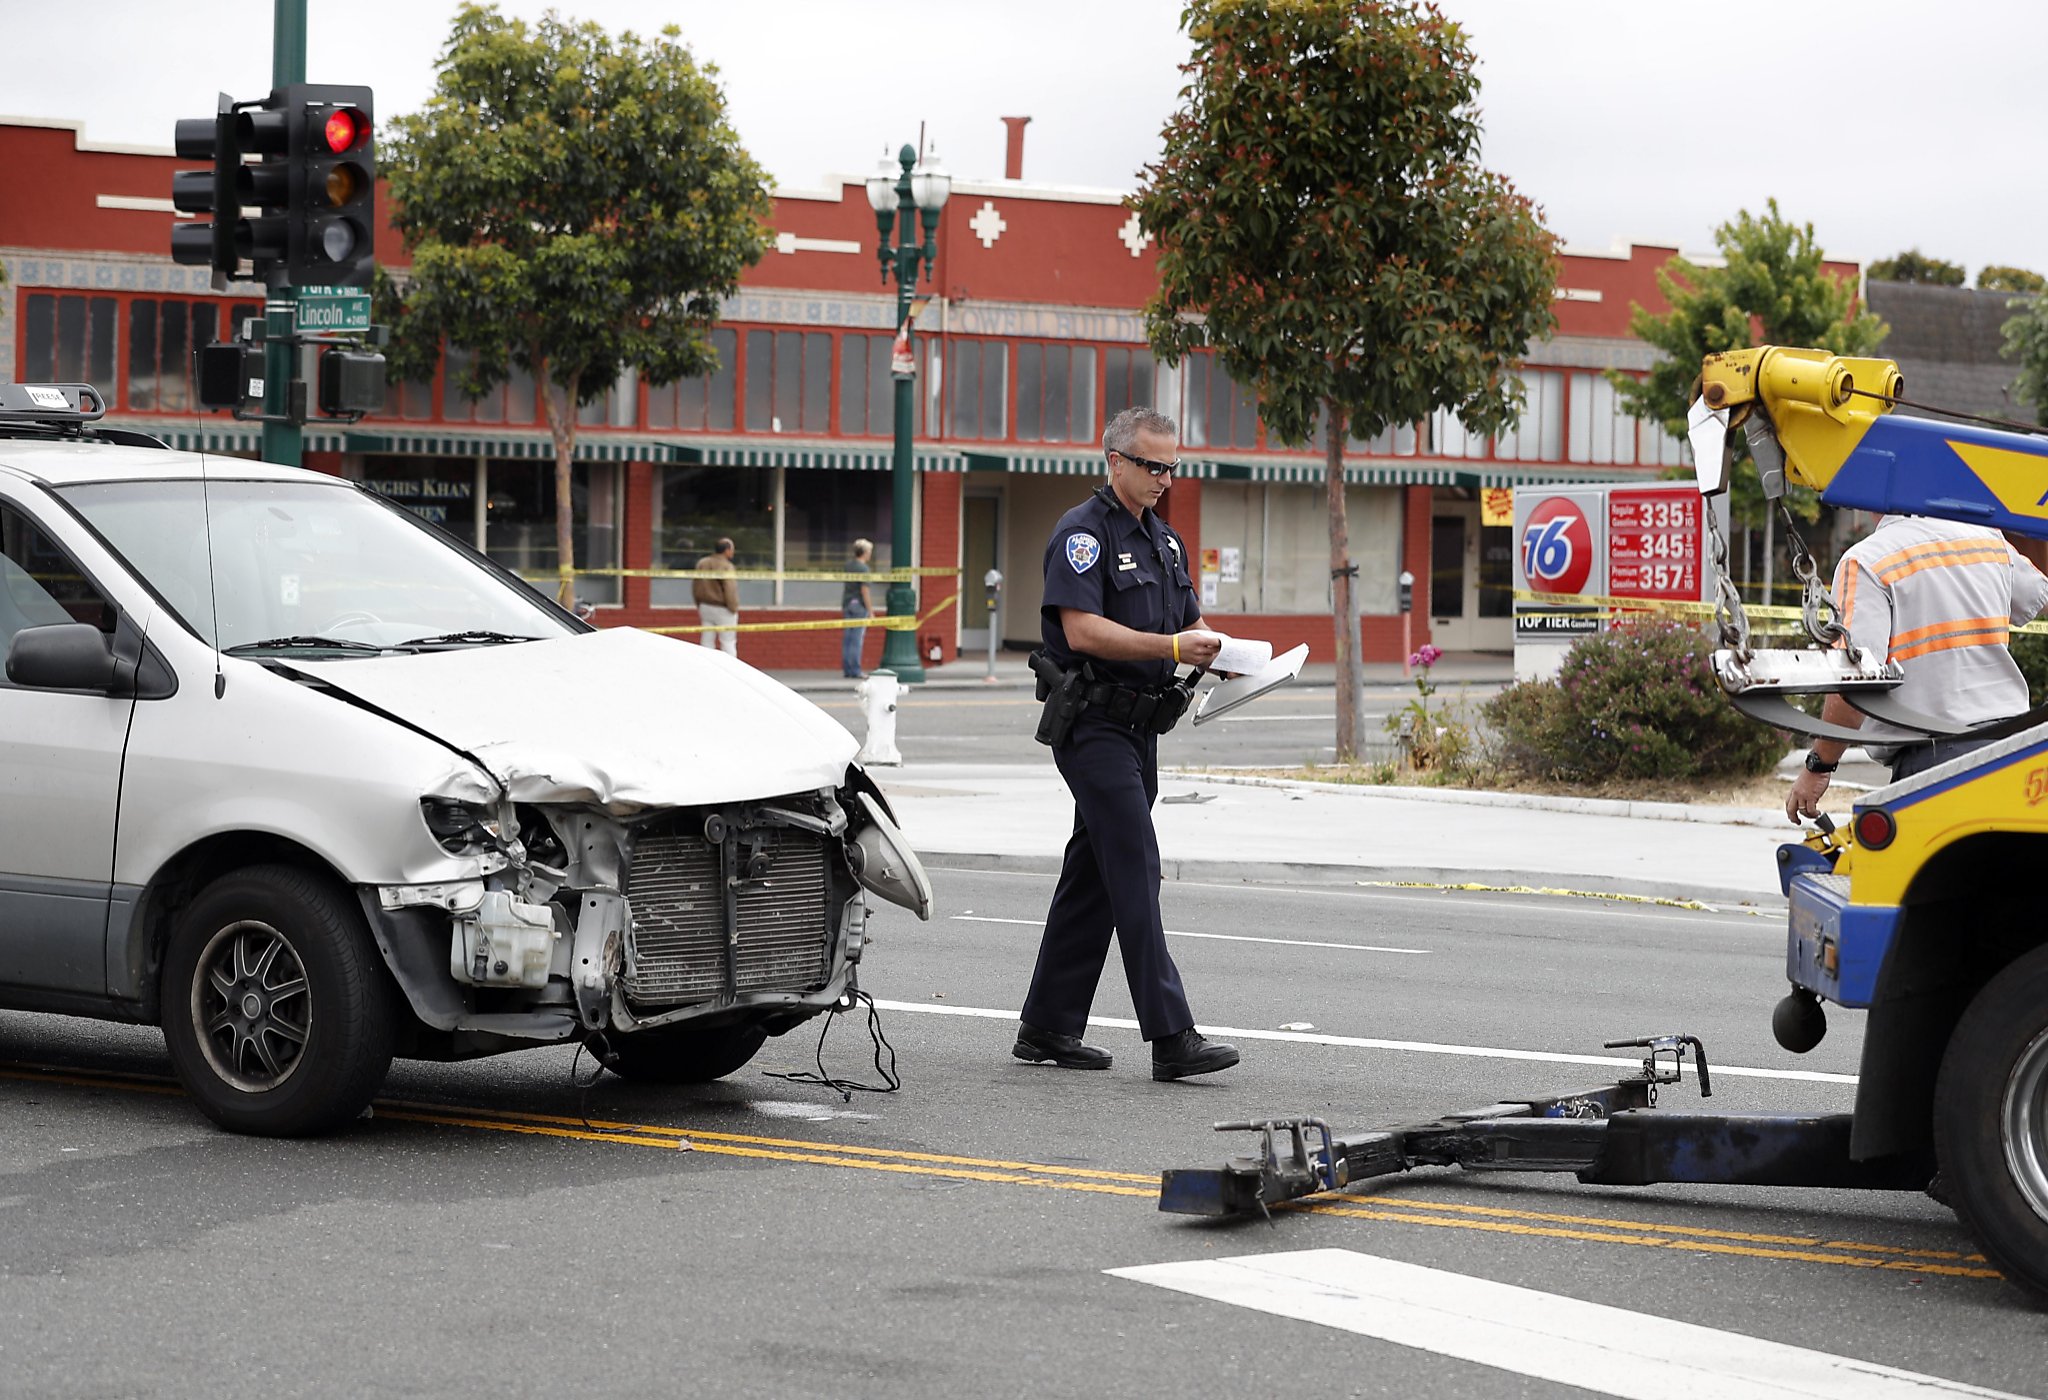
(292, 559)
(39, 585)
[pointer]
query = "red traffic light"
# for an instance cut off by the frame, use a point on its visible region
(345, 129)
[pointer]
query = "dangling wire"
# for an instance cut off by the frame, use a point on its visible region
(846, 1088)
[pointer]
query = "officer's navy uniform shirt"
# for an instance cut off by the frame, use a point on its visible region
(1130, 569)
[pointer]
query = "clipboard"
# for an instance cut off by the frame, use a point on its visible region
(1228, 695)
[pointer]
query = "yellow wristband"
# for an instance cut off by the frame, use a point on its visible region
(1176, 648)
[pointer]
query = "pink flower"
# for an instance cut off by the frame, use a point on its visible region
(1426, 657)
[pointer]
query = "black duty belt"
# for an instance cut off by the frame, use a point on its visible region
(1143, 710)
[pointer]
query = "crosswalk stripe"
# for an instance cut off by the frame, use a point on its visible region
(1613, 1351)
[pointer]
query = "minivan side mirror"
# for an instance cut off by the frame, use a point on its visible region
(61, 656)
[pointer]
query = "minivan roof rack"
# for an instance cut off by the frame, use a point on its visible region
(63, 410)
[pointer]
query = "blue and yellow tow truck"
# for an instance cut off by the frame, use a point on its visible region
(1913, 913)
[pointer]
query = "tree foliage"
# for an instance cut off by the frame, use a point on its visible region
(1325, 226)
(2026, 343)
(1915, 266)
(575, 205)
(1999, 278)
(1771, 289)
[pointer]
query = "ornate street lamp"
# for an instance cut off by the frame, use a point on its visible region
(900, 199)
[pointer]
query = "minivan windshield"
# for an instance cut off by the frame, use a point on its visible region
(299, 564)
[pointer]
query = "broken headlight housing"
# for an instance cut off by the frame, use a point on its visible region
(462, 828)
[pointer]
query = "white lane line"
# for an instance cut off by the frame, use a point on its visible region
(1360, 1042)
(1226, 937)
(1638, 1356)
(1553, 906)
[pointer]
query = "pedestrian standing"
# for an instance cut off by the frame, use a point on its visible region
(718, 599)
(855, 603)
(1119, 617)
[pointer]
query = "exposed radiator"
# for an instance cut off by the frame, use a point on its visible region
(680, 938)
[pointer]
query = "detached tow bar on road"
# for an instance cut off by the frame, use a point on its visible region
(1607, 1136)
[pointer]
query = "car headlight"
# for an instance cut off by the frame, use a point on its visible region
(462, 828)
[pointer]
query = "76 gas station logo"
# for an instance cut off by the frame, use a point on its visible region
(1557, 548)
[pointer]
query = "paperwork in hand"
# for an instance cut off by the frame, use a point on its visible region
(1232, 693)
(1241, 656)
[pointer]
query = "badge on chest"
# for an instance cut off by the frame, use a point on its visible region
(1125, 562)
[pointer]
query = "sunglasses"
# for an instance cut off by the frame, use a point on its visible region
(1155, 468)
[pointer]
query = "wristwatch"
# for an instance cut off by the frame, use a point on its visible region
(1814, 764)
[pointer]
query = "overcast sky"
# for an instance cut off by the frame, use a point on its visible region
(1886, 124)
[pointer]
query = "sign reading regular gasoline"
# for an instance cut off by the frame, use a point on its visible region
(1654, 544)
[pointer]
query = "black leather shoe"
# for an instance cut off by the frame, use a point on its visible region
(1178, 1056)
(1066, 1051)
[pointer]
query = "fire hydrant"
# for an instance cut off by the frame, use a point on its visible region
(877, 695)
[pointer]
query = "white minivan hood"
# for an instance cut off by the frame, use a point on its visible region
(619, 717)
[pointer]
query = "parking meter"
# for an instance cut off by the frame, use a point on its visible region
(1407, 582)
(992, 586)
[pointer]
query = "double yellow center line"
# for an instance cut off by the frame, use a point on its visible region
(1587, 1229)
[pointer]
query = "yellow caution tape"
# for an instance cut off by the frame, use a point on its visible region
(820, 624)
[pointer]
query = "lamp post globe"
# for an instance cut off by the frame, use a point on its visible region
(904, 195)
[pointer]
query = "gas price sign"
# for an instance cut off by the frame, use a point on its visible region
(1656, 544)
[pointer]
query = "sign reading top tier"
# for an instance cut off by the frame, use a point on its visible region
(1645, 541)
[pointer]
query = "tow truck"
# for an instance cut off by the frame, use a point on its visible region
(1911, 914)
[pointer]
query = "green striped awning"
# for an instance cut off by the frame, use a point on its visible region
(1552, 474)
(590, 447)
(1084, 463)
(1311, 473)
(806, 455)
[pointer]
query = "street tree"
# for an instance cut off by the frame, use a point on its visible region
(2026, 343)
(1915, 266)
(575, 206)
(1771, 289)
(1998, 278)
(1325, 228)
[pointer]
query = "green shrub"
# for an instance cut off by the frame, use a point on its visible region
(1637, 701)
(2031, 652)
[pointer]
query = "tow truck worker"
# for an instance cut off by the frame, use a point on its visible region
(1119, 609)
(1940, 599)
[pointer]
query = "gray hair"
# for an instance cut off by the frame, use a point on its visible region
(1123, 429)
(863, 548)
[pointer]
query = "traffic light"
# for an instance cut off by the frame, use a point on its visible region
(224, 191)
(333, 215)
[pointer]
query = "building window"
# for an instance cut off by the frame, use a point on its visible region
(867, 385)
(693, 508)
(976, 375)
(708, 404)
(1450, 438)
(519, 528)
(824, 512)
(1055, 393)
(1539, 436)
(440, 490)
(69, 340)
(1220, 411)
(617, 407)
(1130, 380)
(1397, 441)
(789, 382)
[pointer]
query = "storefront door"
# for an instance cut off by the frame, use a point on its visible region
(1454, 574)
(981, 536)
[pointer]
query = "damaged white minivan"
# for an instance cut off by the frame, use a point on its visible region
(310, 784)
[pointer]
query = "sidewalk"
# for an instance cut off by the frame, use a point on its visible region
(970, 672)
(1019, 817)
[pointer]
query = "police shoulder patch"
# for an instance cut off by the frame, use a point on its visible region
(1082, 552)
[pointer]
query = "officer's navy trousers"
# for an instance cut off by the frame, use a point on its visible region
(1109, 883)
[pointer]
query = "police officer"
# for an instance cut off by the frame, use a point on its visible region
(1118, 619)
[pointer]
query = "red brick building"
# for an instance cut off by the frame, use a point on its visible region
(1031, 338)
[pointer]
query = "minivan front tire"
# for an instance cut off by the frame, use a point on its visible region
(277, 1010)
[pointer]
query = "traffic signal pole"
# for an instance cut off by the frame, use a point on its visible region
(283, 443)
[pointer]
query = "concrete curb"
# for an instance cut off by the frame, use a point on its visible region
(1526, 801)
(1230, 872)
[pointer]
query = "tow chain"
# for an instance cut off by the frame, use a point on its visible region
(1813, 594)
(1732, 621)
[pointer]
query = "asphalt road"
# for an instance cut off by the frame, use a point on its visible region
(496, 1229)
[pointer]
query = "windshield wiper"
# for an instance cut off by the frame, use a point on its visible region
(474, 637)
(302, 644)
